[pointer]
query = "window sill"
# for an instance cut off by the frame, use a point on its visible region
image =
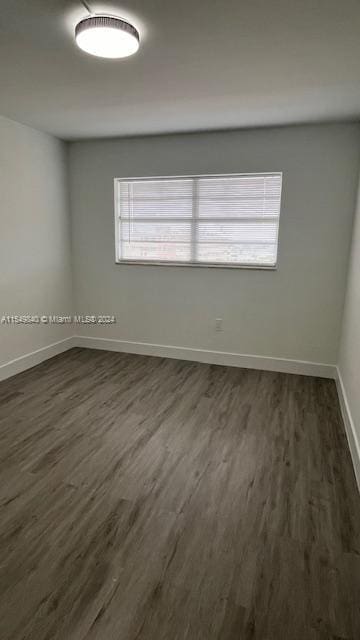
(202, 265)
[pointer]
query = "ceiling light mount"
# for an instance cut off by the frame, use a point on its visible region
(107, 36)
(85, 4)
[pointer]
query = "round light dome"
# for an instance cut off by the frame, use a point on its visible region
(107, 37)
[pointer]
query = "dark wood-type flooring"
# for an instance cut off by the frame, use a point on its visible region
(151, 499)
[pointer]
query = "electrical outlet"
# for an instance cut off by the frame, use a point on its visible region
(219, 324)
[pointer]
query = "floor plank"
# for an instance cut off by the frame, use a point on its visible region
(147, 498)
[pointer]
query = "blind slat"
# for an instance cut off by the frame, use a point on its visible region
(229, 219)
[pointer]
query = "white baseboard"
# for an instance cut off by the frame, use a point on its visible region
(226, 358)
(35, 357)
(210, 357)
(351, 434)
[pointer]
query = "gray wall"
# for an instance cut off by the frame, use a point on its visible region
(35, 269)
(294, 312)
(349, 359)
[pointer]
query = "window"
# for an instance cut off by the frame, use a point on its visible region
(225, 220)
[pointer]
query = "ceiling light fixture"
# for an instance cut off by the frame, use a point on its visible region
(106, 36)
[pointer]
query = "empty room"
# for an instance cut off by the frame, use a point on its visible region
(179, 320)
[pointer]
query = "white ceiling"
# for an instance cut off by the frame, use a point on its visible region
(203, 64)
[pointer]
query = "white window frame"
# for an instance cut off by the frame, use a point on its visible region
(202, 265)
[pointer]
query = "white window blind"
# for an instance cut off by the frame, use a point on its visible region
(230, 220)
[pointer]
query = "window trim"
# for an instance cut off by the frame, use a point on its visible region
(189, 263)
